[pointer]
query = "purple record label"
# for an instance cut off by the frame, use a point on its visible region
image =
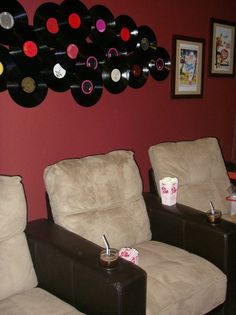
(112, 52)
(87, 87)
(101, 25)
(160, 64)
(92, 62)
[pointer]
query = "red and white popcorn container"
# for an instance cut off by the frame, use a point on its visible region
(168, 190)
(130, 254)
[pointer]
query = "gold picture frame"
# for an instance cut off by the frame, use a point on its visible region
(188, 62)
(222, 48)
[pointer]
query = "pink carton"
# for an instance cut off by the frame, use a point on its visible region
(130, 254)
(168, 190)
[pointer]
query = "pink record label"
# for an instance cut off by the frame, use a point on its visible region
(160, 64)
(87, 87)
(72, 51)
(101, 25)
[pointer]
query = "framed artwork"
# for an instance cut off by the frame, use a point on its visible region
(187, 62)
(222, 48)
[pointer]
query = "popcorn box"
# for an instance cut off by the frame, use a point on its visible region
(168, 190)
(130, 254)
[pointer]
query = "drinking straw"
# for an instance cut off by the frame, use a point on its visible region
(108, 250)
(212, 208)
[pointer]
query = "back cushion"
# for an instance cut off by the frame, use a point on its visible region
(16, 269)
(200, 169)
(98, 195)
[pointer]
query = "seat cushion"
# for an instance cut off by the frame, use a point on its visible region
(100, 194)
(36, 302)
(179, 282)
(200, 169)
(16, 269)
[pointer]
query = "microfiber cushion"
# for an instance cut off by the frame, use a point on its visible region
(16, 268)
(100, 194)
(200, 169)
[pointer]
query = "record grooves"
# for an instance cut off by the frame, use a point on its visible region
(159, 65)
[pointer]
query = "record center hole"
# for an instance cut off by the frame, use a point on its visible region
(74, 20)
(87, 87)
(92, 62)
(6, 20)
(1, 68)
(115, 75)
(52, 25)
(160, 64)
(30, 49)
(125, 34)
(101, 25)
(28, 85)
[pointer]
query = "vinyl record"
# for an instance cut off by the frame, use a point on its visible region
(47, 21)
(139, 71)
(146, 39)
(90, 55)
(76, 20)
(5, 62)
(26, 50)
(115, 74)
(102, 25)
(159, 64)
(87, 86)
(127, 31)
(26, 88)
(56, 71)
(12, 15)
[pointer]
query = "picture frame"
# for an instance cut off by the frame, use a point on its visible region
(188, 65)
(222, 48)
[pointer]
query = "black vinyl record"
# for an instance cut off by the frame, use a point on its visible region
(47, 23)
(26, 50)
(5, 62)
(90, 55)
(146, 39)
(139, 71)
(87, 86)
(159, 64)
(127, 31)
(115, 74)
(12, 15)
(76, 21)
(102, 25)
(26, 88)
(57, 71)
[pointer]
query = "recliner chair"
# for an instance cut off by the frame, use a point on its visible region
(102, 194)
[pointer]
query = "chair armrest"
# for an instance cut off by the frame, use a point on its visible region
(67, 265)
(188, 228)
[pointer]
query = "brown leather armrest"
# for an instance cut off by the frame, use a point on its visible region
(67, 265)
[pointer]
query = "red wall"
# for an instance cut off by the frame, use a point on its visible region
(30, 139)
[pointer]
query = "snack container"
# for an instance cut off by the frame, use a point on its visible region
(168, 190)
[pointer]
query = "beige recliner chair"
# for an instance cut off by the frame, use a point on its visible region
(102, 194)
(19, 294)
(200, 169)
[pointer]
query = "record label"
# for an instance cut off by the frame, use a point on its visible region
(72, 51)
(92, 62)
(101, 25)
(74, 21)
(136, 70)
(30, 49)
(28, 85)
(115, 75)
(125, 34)
(58, 71)
(112, 52)
(1, 68)
(52, 25)
(6, 20)
(160, 64)
(145, 43)
(87, 87)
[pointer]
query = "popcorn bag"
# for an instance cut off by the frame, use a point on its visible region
(168, 190)
(130, 254)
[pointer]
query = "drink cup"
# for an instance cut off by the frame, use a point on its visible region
(168, 190)
(110, 260)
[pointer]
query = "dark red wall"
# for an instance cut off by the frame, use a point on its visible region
(30, 139)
